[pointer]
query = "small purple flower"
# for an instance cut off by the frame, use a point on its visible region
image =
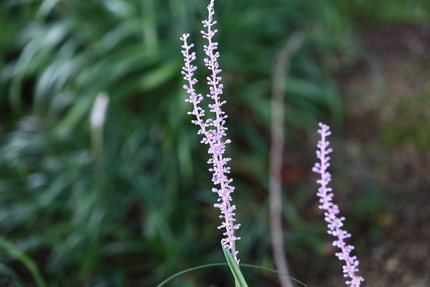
(331, 210)
(213, 130)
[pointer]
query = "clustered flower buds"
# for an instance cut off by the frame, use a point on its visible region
(332, 210)
(213, 130)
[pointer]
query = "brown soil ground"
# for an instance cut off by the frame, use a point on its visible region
(387, 141)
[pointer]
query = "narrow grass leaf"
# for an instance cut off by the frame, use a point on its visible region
(272, 270)
(238, 276)
(25, 260)
(223, 264)
(188, 270)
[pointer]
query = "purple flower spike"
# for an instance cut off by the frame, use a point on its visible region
(213, 130)
(332, 210)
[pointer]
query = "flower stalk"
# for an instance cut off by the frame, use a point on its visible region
(212, 129)
(332, 210)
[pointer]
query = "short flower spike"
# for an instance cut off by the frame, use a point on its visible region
(332, 210)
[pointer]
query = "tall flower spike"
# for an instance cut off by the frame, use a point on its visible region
(213, 130)
(332, 210)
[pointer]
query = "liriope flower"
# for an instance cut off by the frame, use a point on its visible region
(212, 129)
(332, 210)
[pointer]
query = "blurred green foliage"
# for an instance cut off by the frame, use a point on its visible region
(412, 130)
(148, 212)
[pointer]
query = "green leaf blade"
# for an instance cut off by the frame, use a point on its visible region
(234, 267)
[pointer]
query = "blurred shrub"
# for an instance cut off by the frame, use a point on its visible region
(148, 212)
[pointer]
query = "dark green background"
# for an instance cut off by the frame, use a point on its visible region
(144, 210)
